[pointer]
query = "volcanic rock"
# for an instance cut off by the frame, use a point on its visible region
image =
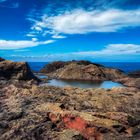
(51, 67)
(81, 70)
(130, 82)
(134, 74)
(10, 70)
(37, 113)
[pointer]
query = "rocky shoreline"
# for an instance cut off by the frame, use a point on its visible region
(32, 112)
(86, 70)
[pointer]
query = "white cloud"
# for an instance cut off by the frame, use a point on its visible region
(30, 35)
(34, 39)
(82, 22)
(21, 50)
(58, 36)
(11, 45)
(37, 28)
(114, 49)
(112, 52)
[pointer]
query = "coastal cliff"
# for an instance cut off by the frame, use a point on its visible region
(10, 70)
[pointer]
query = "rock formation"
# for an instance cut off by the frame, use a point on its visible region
(51, 67)
(135, 74)
(81, 70)
(10, 70)
(69, 113)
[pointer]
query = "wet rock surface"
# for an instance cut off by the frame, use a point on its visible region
(33, 112)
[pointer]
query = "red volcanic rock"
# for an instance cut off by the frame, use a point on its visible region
(73, 122)
(88, 130)
(70, 121)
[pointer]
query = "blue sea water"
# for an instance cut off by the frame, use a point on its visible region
(125, 66)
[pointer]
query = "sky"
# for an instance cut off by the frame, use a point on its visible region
(51, 30)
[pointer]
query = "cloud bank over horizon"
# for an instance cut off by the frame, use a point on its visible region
(20, 44)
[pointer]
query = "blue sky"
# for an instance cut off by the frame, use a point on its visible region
(49, 30)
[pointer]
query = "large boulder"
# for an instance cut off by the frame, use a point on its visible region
(81, 70)
(10, 70)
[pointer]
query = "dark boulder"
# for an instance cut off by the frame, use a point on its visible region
(10, 70)
(134, 74)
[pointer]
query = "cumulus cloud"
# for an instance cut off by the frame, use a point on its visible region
(12, 45)
(82, 21)
(58, 36)
(30, 35)
(34, 39)
(114, 49)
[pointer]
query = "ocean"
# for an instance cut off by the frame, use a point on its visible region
(125, 66)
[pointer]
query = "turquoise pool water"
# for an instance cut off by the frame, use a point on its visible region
(83, 84)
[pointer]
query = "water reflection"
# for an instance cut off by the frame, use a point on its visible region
(83, 84)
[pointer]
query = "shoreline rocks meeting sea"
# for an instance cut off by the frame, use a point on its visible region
(29, 111)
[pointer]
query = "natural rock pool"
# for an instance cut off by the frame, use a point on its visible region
(82, 84)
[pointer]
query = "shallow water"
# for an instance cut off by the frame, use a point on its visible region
(41, 76)
(83, 84)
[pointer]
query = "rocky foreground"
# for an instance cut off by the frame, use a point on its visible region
(32, 112)
(51, 113)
